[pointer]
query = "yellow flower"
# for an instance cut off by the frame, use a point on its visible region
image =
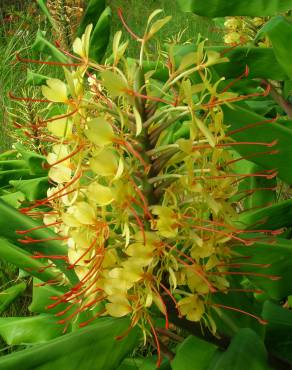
(61, 127)
(105, 163)
(195, 282)
(55, 91)
(99, 194)
(192, 307)
(166, 223)
(119, 306)
(61, 171)
(100, 132)
(81, 46)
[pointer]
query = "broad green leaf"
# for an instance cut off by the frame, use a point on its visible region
(41, 298)
(262, 62)
(272, 217)
(14, 199)
(12, 164)
(279, 330)
(6, 176)
(230, 322)
(239, 117)
(94, 348)
(254, 192)
(272, 269)
(100, 36)
(33, 160)
(11, 220)
(9, 295)
(246, 351)
(194, 354)
(36, 79)
(33, 188)
(28, 330)
(42, 45)
(143, 364)
(279, 30)
(222, 8)
(22, 259)
(130, 364)
(92, 13)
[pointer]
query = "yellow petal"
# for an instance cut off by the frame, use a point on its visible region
(55, 91)
(101, 195)
(77, 47)
(114, 83)
(61, 127)
(105, 163)
(60, 174)
(118, 309)
(84, 213)
(100, 132)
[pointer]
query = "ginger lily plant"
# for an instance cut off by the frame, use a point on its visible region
(147, 212)
(148, 215)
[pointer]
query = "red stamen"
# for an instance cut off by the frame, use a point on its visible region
(120, 14)
(52, 257)
(252, 125)
(140, 223)
(232, 83)
(21, 232)
(72, 154)
(260, 320)
(271, 277)
(13, 97)
(52, 63)
(156, 341)
(29, 240)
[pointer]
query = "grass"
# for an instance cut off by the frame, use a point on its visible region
(16, 35)
(136, 13)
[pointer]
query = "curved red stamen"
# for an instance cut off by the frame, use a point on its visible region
(260, 320)
(52, 63)
(120, 14)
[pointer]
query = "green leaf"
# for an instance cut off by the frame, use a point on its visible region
(25, 330)
(41, 298)
(246, 351)
(22, 259)
(36, 79)
(194, 354)
(14, 199)
(276, 259)
(6, 176)
(254, 192)
(9, 295)
(272, 218)
(279, 330)
(11, 220)
(239, 117)
(42, 5)
(100, 36)
(33, 188)
(222, 8)
(262, 62)
(42, 45)
(33, 160)
(92, 13)
(12, 164)
(94, 348)
(279, 30)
